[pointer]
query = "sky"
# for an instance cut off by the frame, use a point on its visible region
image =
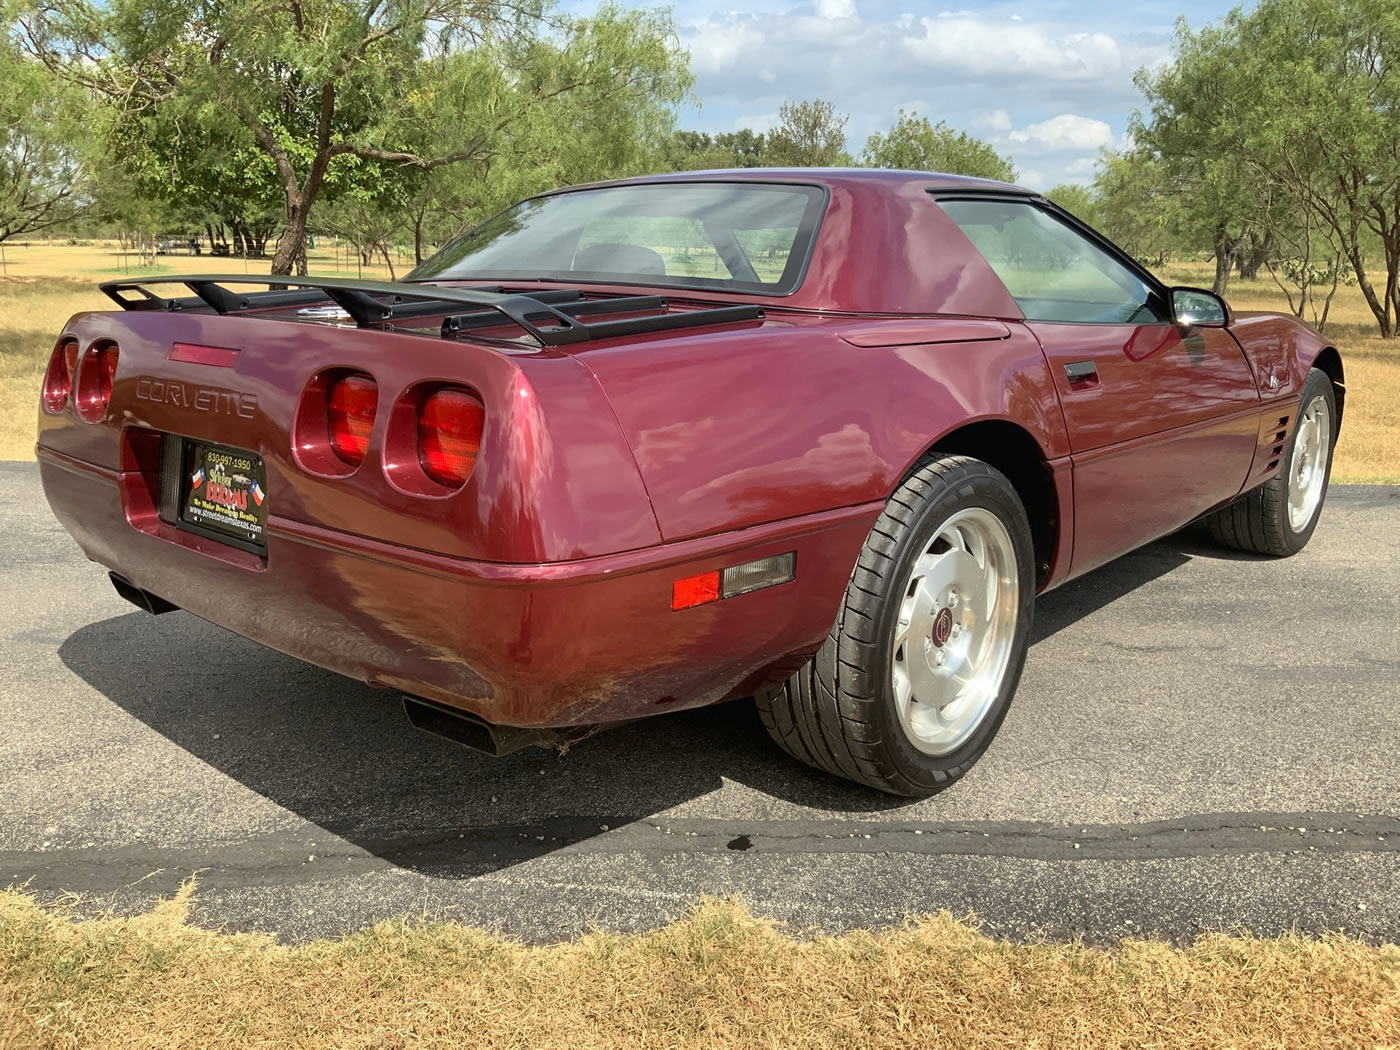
(1049, 83)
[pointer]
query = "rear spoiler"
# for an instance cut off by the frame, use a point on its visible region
(549, 317)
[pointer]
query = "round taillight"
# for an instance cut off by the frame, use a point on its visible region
(450, 424)
(58, 378)
(92, 386)
(351, 402)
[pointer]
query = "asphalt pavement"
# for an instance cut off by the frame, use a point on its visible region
(1201, 740)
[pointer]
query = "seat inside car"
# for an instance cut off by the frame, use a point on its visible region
(619, 258)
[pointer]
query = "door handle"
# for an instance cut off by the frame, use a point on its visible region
(1081, 372)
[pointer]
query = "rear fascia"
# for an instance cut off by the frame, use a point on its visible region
(555, 479)
(585, 641)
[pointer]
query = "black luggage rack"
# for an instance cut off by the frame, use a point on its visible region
(379, 304)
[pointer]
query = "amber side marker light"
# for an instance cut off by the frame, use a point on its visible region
(714, 586)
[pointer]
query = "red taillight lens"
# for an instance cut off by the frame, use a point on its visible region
(450, 423)
(351, 402)
(92, 385)
(58, 379)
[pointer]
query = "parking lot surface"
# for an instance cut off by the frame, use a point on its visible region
(1201, 741)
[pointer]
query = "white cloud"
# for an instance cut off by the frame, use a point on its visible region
(1045, 88)
(1031, 179)
(763, 122)
(978, 44)
(718, 44)
(836, 9)
(1067, 131)
(998, 121)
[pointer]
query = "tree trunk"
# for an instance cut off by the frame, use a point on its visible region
(384, 251)
(1224, 261)
(418, 239)
(291, 245)
(1253, 256)
(1381, 311)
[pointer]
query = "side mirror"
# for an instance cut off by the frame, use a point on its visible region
(1198, 308)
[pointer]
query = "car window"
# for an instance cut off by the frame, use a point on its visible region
(739, 236)
(681, 243)
(1053, 271)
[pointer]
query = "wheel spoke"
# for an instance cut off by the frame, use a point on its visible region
(945, 682)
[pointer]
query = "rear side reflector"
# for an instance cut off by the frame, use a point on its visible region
(198, 354)
(695, 590)
(351, 403)
(735, 580)
(450, 424)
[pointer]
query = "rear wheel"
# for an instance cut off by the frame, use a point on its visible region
(1279, 516)
(919, 669)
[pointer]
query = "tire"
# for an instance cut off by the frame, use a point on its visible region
(1279, 516)
(852, 710)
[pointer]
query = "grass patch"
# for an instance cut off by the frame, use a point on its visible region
(34, 304)
(717, 978)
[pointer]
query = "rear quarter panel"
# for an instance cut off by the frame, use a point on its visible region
(740, 428)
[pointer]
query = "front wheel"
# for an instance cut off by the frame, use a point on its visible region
(1279, 516)
(917, 674)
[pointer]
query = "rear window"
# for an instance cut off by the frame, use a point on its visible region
(748, 237)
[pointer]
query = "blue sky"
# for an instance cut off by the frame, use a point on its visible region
(1047, 82)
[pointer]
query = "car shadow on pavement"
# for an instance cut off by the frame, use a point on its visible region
(342, 756)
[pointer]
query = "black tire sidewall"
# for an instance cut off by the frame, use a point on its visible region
(1317, 384)
(990, 491)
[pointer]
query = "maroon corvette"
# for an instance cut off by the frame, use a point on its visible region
(814, 436)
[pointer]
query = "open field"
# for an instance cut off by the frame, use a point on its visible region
(717, 978)
(44, 284)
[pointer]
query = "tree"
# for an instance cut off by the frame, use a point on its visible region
(913, 144)
(1078, 200)
(199, 166)
(42, 178)
(699, 151)
(1137, 208)
(809, 135)
(1292, 105)
(316, 83)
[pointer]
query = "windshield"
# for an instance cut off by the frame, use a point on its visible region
(734, 236)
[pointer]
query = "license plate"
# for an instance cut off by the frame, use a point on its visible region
(225, 493)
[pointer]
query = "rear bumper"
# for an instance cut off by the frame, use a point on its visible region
(556, 644)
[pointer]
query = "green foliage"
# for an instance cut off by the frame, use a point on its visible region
(1278, 127)
(913, 144)
(700, 151)
(810, 134)
(341, 98)
(1078, 200)
(42, 176)
(1138, 208)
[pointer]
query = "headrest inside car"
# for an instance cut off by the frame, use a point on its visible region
(619, 258)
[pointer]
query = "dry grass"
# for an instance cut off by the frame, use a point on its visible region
(42, 284)
(46, 283)
(717, 978)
